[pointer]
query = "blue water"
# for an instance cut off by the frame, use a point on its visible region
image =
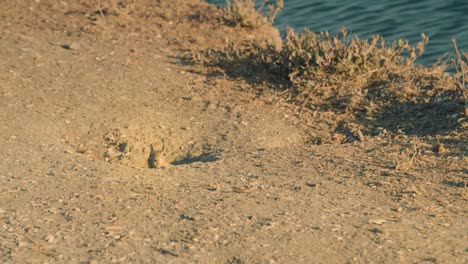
(440, 20)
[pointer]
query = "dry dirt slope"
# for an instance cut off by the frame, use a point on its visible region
(83, 95)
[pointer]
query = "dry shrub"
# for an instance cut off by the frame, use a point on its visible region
(369, 79)
(460, 64)
(120, 11)
(329, 67)
(243, 13)
(336, 68)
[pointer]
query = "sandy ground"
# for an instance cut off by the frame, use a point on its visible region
(84, 94)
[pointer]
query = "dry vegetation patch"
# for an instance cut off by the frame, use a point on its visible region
(244, 13)
(372, 83)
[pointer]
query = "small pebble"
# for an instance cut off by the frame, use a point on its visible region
(377, 221)
(74, 45)
(49, 238)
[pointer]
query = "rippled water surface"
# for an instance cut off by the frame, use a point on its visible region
(441, 20)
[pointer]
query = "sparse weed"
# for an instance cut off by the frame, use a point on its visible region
(121, 9)
(335, 64)
(243, 13)
(340, 70)
(371, 81)
(406, 159)
(460, 64)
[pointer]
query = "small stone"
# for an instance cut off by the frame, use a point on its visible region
(113, 229)
(22, 244)
(196, 98)
(49, 238)
(111, 153)
(377, 221)
(74, 45)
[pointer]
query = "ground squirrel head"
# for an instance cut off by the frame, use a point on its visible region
(157, 158)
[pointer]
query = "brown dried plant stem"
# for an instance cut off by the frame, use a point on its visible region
(100, 12)
(462, 69)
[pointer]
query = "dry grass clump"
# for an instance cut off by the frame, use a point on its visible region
(460, 64)
(109, 12)
(338, 67)
(368, 79)
(328, 67)
(243, 13)
(120, 8)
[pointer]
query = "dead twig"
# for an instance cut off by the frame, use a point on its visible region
(462, 70)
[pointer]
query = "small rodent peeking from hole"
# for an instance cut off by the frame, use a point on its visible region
(157, 158)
